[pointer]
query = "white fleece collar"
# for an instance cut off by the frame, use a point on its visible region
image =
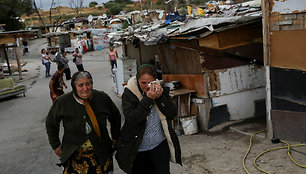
(132, 86)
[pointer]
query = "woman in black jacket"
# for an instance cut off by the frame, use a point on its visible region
(147, 141)
(86, 146)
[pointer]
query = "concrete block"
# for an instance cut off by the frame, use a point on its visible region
(290, 16)
(274, 28)
(286, 22)
(301, 15)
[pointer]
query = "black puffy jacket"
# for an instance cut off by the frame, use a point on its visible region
(136, 108)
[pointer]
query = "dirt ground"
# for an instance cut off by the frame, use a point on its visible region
(24, 147)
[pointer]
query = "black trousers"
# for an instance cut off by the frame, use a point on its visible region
(155, 161)
(67, 73)
(80, 67)
(113, 62)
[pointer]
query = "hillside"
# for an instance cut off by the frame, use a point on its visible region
(64, 13)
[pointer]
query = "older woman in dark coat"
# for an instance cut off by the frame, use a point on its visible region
(86, 146)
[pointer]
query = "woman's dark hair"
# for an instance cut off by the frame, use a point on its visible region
(42, 50)
(60, 66)
(76, 76)
(145, 69)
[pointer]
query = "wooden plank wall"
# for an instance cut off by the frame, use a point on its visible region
(288, 35)
(287, 25)
(288, 49)
(178, 60)
(195, 82)
(289, 125)
(242, 35)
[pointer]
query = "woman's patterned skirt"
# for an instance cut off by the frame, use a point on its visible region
(83, 161)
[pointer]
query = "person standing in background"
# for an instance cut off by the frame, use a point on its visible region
(25, 46)
(46, 61)
(112, 55)
(78, 59)
(57, 83)
(89, 43)
(61, 58)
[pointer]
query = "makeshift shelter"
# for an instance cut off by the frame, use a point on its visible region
(285, 67)
(100, 38)
(224, 68)
(220, 58)
(78, 39)
(58, 40)
(10, 37)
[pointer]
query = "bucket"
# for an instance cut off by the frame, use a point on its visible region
(189, 125)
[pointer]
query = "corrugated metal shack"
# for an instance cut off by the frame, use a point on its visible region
(58, 39)
(285, 64)
(221, 58)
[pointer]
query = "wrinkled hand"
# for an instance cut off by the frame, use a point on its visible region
(58, 151)
(155, 91)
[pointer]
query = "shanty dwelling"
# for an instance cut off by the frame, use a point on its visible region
(285, 65)
(144, 54)
(57, 40)
(78, 39)
(228, 76)
(222, 63)
(100, 38)
(8, 40)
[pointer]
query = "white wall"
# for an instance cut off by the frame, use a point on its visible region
(238, 79)
(240, 105)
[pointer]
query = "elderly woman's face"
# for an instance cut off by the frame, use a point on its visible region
(83, 87)
(144, 80)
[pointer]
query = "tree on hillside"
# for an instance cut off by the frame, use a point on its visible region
(113, 8)
(37, 11)
(93, 4)
(57, 12)
(76, 5)
(124, 1)
(11, 10)
(50, 11)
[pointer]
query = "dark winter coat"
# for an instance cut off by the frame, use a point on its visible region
(74, 117)
(136, 108)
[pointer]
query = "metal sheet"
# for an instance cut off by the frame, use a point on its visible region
(288, 125)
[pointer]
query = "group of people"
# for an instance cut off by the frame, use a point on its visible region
(60, 57)
(145, 144)
(57, 84)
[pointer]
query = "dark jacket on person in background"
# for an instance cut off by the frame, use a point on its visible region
(74, 117)
(136, 108)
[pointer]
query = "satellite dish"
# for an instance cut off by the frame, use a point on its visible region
(161, 14)
(90, 18)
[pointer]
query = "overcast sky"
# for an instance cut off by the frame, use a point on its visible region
(45, 4)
